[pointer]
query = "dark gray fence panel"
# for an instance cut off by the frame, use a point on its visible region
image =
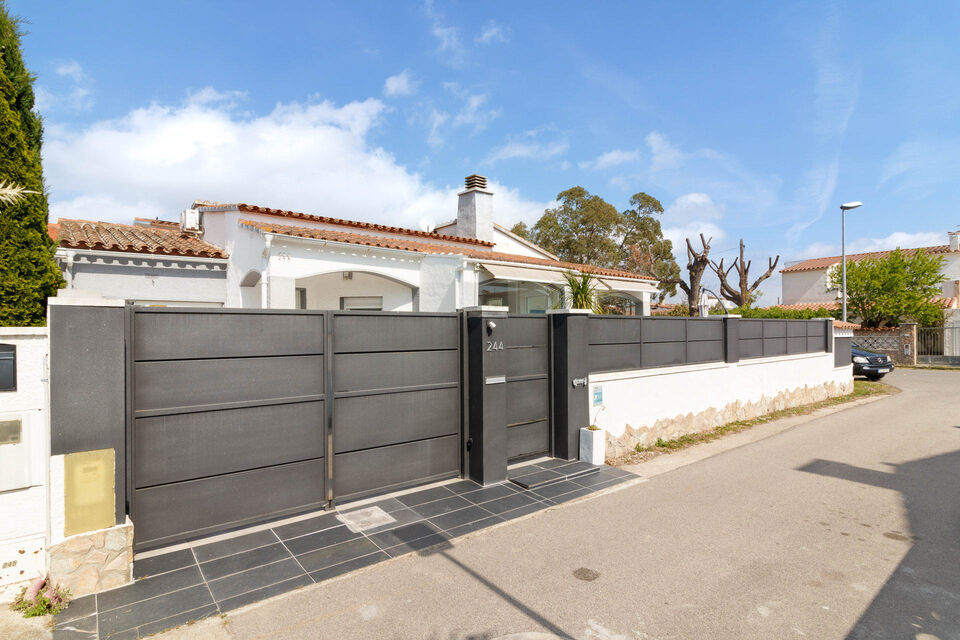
(165, 334)
(528, 439)
(174, 447)
(396, 413)
(663, 329)
(615, 357)
(392, 370)
(527, 392)
(613, 330)
(663, 354)
(381, 469)
(173, 512)
(171, 384)
(706, 329)
(525, 400)
(705, 351)
(841, 351)
(369, 421)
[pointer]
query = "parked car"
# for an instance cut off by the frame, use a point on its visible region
(872, 365)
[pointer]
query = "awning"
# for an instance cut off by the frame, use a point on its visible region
(510, 272)
(626, 285)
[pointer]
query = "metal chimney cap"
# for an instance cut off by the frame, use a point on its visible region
(476, 182)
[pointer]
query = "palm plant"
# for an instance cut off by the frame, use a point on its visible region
(583, 291)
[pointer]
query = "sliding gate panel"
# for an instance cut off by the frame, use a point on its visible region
(226, 423)
(526, 345)
(396, 411)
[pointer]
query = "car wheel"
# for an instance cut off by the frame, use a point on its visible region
(874, 378)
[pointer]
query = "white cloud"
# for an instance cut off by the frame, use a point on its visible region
(313, 157)
(610, 159)
(72, 70)
(401, 84)
(820, 184)
(492, 33)
(436, 120)
(902, 239)
(449, 47)
(473, 114)
(664, 154)
(678, 236)
(692, 206)
(535, 150)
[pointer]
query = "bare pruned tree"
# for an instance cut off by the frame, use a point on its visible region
(696, 264)
(742, 294)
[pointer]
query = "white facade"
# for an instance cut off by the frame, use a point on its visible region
(271, 266)
(24, 492)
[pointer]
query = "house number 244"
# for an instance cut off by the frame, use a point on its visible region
(494, 345)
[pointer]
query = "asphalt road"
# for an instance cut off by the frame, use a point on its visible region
(847, 526)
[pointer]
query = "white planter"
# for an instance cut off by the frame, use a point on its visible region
(593, 446)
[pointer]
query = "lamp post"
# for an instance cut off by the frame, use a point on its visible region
(843, 247)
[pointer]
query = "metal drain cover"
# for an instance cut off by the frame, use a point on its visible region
(364, 519)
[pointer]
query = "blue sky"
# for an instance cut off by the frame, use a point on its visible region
(751, 120)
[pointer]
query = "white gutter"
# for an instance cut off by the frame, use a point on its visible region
(70, 254)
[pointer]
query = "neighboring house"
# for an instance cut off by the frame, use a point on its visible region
(239, 255)
(805, 282)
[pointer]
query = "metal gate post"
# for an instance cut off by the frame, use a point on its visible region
(485, 386)
(328, 401)
(569, 375)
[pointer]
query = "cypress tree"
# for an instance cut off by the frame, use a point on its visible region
(28, 273)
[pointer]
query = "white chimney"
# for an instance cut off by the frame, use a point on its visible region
(475, 210)
(190, 223)
(954, 240)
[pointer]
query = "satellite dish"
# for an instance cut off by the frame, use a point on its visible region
(427, 225)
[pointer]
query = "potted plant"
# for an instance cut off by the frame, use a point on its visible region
(593, 443)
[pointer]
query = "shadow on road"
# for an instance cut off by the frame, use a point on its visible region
(923, 594)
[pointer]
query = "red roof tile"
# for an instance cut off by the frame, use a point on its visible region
(112, 236)
(815, 264)
(803, 306)
(840, 324)
(429, 247)
(249, 208)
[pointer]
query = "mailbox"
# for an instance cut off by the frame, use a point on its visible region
(8, 367)
(15, 453)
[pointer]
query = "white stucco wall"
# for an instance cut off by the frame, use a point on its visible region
(149, 278)
(806, 286)
(23, 509)
(324, 291)
(670, 401)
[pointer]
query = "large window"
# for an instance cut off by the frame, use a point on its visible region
(520, 296)
(620, 304)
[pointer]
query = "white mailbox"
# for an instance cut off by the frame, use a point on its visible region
(16, 450)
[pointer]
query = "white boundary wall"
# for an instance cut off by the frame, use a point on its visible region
(641, 405)
(23, 494)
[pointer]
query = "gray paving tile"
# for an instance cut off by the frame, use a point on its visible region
(74, 634)
(389, 505)
(533, 480)
(463, 486)
(460, 517)
(490, 493)
(598, 482)
(445, 505)
(556, 489)
(310, 525)
(348, 566)
(80, 627)
(242, 561)
(405, 534)
(403, 517)
(420, 544)
(127, 634)
(256, 578)
(476, 525)
(149, 588)
(146, 611)
(163, 563)
(553, 463)
(329, 556)
(320, 539)
(231, 546)
(427, 495)
(579, 493)
(497, 507)
(178, 620)
(266, 592)
(76, 609)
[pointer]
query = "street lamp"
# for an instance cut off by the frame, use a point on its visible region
(843, 247)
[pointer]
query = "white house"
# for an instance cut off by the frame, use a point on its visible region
(805, 282)
(239, 255)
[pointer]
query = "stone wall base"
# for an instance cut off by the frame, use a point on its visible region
(93, 561)
(684, 424)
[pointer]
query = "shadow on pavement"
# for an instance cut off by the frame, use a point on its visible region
(923, 594)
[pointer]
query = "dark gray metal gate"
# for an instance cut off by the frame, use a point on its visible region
(230, 420)
(526, 341)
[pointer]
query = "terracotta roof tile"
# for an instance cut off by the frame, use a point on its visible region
(840, 324)
(803, 306)
(815, 264)
(429, 247)
(267, 211)
(112, 236)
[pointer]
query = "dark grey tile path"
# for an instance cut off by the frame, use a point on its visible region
(191, 584)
